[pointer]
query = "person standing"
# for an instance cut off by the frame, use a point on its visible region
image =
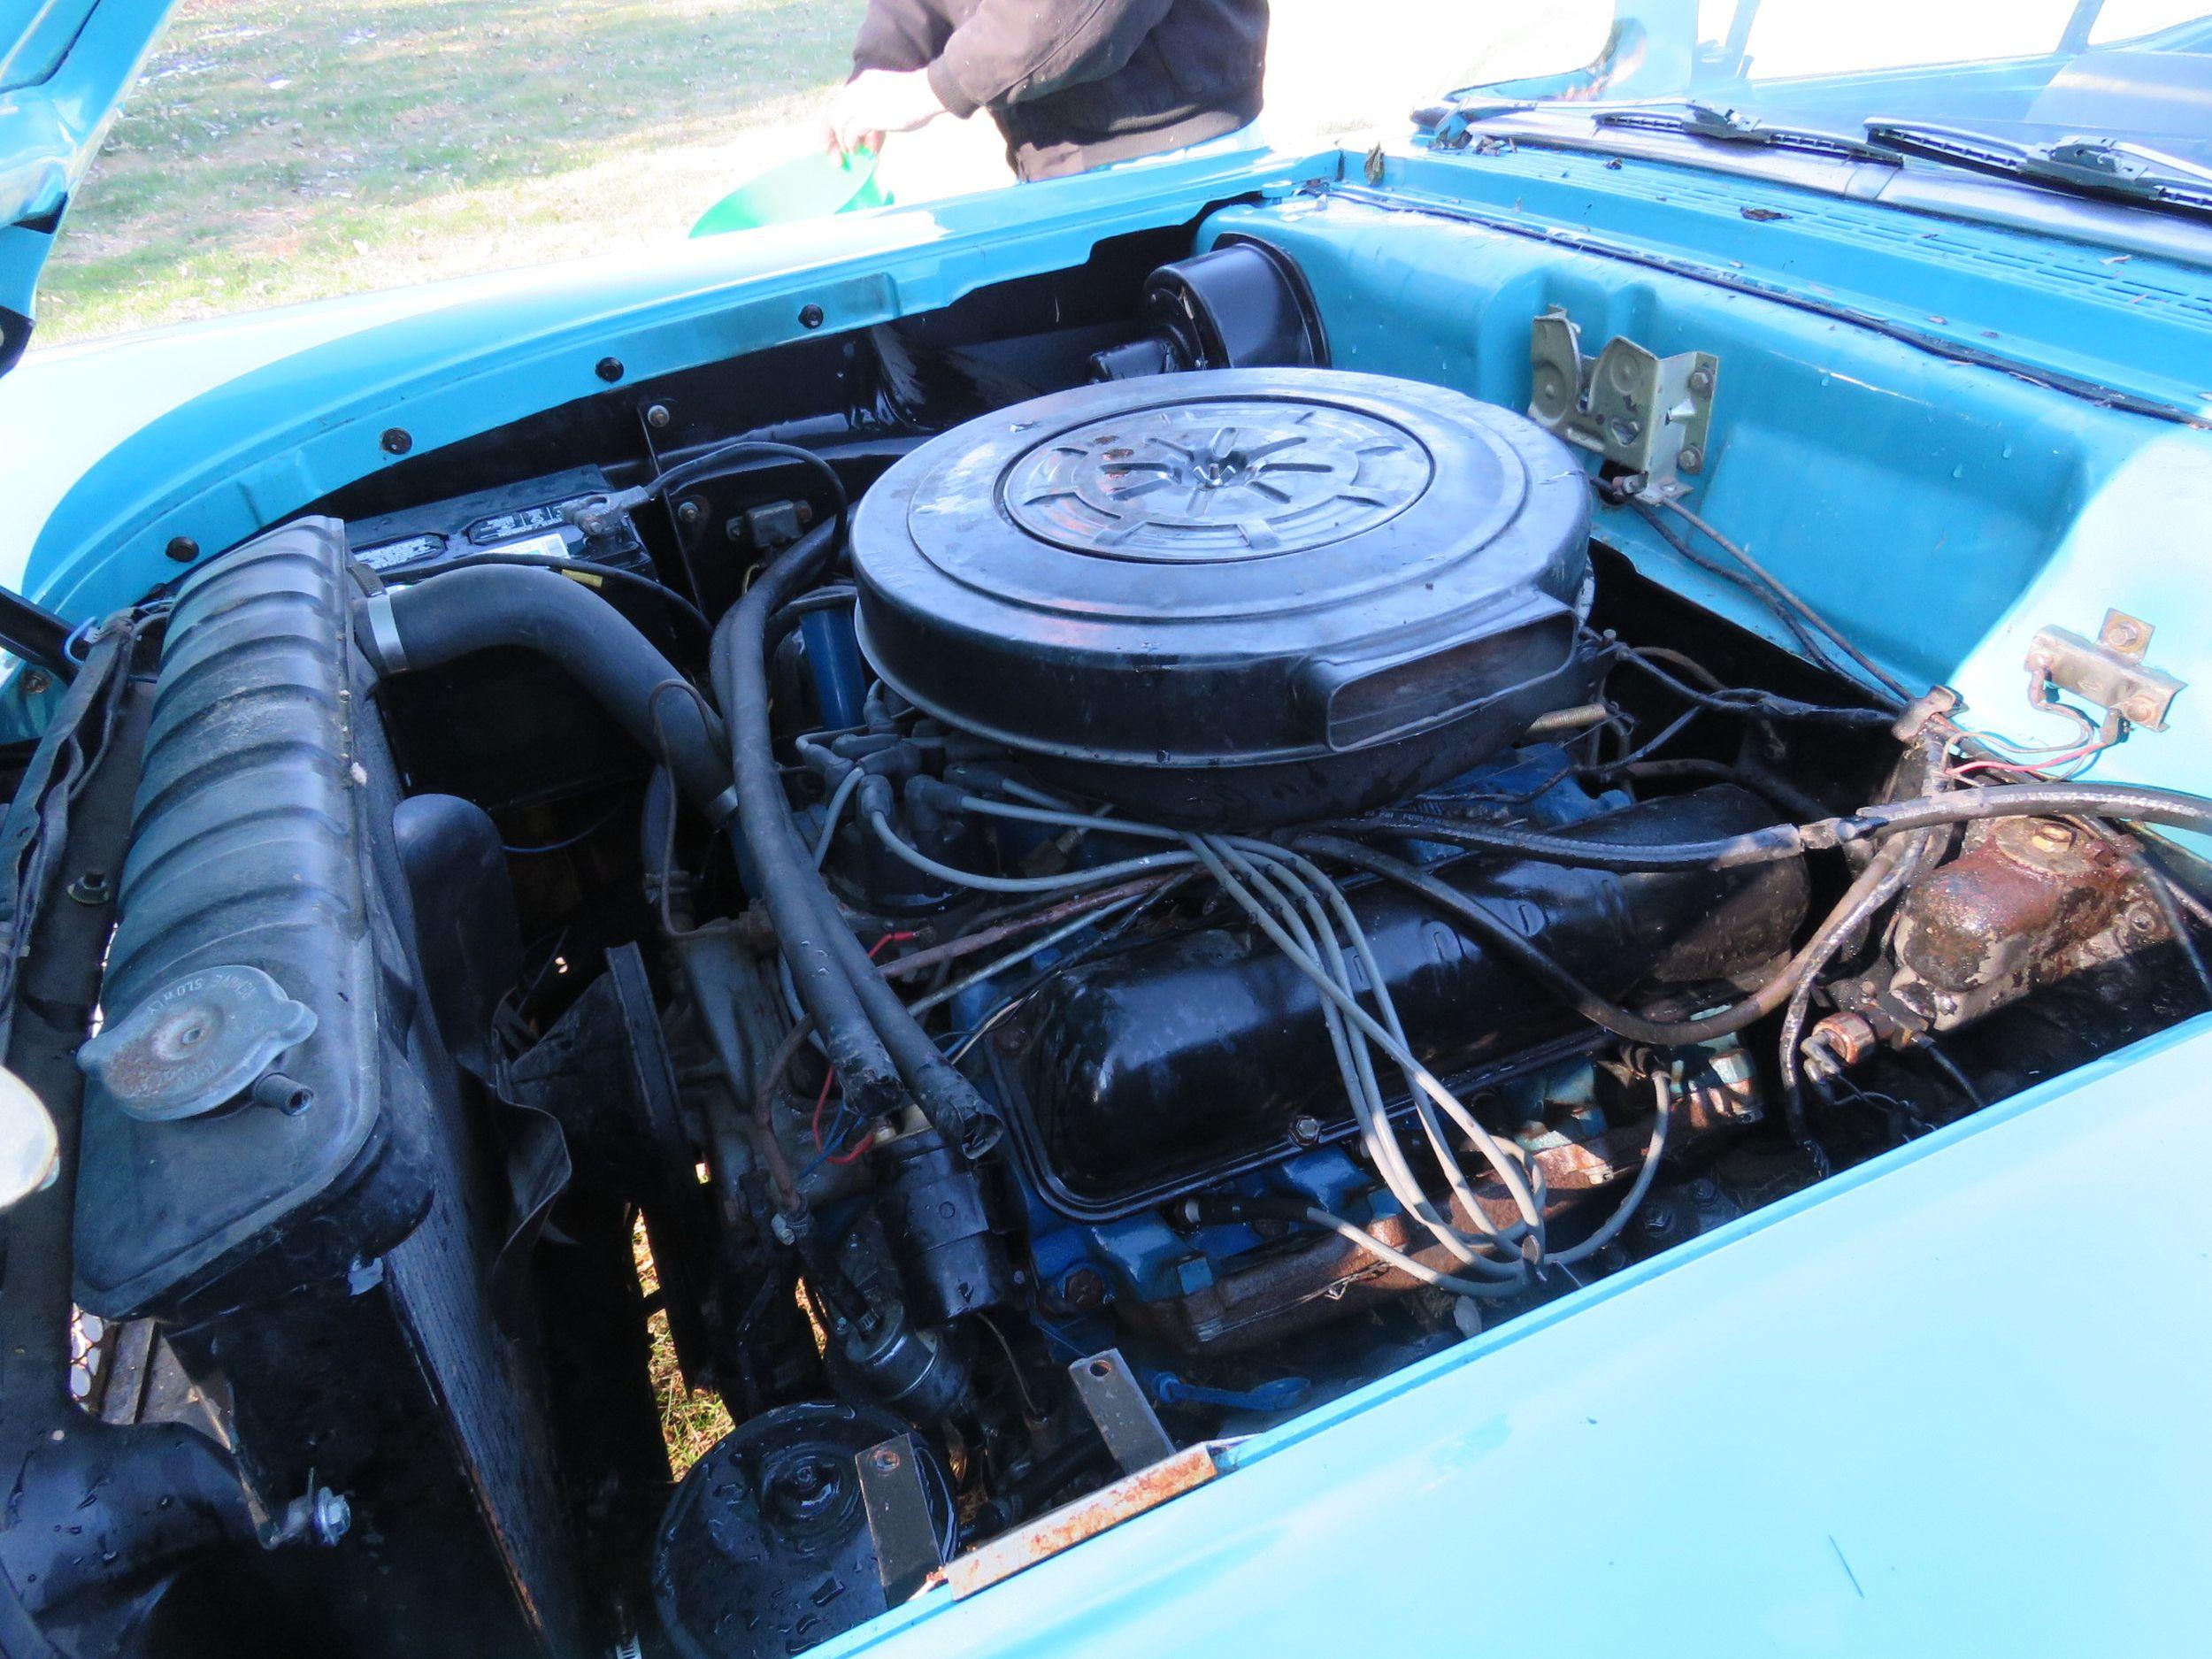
(1071, 86)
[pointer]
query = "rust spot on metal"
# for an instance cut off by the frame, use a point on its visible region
(1072, 1523)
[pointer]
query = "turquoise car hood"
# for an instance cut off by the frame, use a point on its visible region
(65, 65)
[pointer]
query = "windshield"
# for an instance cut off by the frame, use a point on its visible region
(2031, 72)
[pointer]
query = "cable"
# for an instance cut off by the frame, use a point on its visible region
(1783, 595)
(711, 464)
(1015, 958)
(834, 810)
(981, 883)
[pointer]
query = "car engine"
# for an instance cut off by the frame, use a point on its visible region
(1065, 899)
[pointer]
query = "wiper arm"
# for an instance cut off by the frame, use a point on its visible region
(1693, 118)
(2109, 168)
(1683, 118)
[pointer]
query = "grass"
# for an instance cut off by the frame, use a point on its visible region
(279, 151)
(691, 1423)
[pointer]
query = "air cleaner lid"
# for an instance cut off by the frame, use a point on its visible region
(1223, 568)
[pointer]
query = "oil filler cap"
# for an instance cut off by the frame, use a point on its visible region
(197, 1044)
(1237, 597)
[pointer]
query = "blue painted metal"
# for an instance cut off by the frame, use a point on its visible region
(832, 657)
(1939, 511)
(64, 68)
(1909, 1412)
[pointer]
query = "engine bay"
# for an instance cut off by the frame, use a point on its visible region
(1040, 888)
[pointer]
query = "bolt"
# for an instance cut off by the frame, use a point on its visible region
(1305, 1129)
(1700, 379)
(1085, 1288)
(332, 1516)
(2052, 837)
(92, 887)
(657, 415)
(688, 513)
(810, 316)
(2142, 709)
(885, 1459)
(2123, 632)
(182, 548)
(1010, 1040)
(396, 440)
(34, 683)
(608, 369)
(1691, 458)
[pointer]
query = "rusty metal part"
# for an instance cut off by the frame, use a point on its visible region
(1315, 1282)
(2108, 672)
(1087, 1518)
(1110, 1395)
(1849, 1038)
(2026, 903)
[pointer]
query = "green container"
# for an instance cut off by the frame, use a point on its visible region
(811, 186)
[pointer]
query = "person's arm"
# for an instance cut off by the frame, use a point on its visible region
(1009, 51)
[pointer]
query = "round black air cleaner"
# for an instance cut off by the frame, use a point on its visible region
(1240, 597)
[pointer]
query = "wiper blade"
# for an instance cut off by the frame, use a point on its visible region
(1693, 118)
(1683, 118)
(2111, 168)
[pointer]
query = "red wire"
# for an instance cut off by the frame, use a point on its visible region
(828, 1077)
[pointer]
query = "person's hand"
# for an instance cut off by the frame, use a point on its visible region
(876, 102)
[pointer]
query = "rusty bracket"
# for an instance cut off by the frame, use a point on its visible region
(1111, 1394)
(1646, 414)
(1086, 1518)
(2108, 672)
(900, 1524)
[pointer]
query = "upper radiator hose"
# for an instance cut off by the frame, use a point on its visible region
(451, 615)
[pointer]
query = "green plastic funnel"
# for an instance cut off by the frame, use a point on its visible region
(811, 187)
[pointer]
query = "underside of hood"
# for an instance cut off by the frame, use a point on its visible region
(65, 65)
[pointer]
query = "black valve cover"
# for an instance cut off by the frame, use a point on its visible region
(1241, 596)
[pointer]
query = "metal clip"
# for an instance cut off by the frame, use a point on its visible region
(2108, 673)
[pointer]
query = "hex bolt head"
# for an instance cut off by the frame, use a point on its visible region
(657, 415)
(1691, 458)
(1305, 1129)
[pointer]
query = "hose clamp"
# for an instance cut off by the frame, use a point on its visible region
(384, 645)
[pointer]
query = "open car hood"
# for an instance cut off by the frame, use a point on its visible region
(65, 65)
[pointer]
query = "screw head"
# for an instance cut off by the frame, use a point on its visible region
(688, 513)
(396, 440)
(182, 548)
(1691, 458)
(608, 369)
(1700, 379)
(657, 415)
(92, 887)
(2141, 709)
(810, 316)
(2052, 837)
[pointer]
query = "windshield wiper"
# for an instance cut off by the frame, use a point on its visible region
(1681, 118)
(2109, 168)
(1692, 118)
